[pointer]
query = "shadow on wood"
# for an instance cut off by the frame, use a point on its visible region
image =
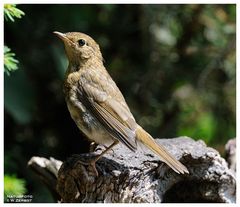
(138, 177)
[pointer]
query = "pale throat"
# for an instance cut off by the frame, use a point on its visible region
(78, 62)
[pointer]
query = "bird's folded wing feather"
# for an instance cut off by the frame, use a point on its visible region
(110, 111)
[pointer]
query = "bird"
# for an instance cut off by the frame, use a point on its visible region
(98, 107)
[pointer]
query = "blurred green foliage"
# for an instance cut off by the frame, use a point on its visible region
(175, 65)
(10, 63)
(22, 112)
(11, 12)
(13, 186)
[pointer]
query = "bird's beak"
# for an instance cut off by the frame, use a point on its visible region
(62, 36)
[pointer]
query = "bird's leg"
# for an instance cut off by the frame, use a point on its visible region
(92, 162)
(106, 150)
(93, 146)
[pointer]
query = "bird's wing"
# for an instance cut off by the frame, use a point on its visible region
(110, 109)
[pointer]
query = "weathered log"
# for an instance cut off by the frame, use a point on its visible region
(230, 150)
(47, 171)
(137, 177)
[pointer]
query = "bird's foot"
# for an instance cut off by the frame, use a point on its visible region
(91, 164)
(93, 147)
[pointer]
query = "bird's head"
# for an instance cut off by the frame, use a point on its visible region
(79, 47)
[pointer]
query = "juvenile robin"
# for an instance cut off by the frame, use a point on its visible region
(97, 105)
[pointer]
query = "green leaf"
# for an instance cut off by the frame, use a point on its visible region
(10, 63)
(11, 11)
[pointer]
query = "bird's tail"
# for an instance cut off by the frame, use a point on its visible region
(147, 140)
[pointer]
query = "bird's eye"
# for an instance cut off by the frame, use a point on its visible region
(81, 42)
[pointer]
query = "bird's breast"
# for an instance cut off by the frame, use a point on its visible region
(83, 118)
(87, 123)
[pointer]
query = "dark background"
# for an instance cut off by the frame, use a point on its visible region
(175, 65)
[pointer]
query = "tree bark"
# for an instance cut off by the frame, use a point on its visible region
(137, 177)
(230, 151)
